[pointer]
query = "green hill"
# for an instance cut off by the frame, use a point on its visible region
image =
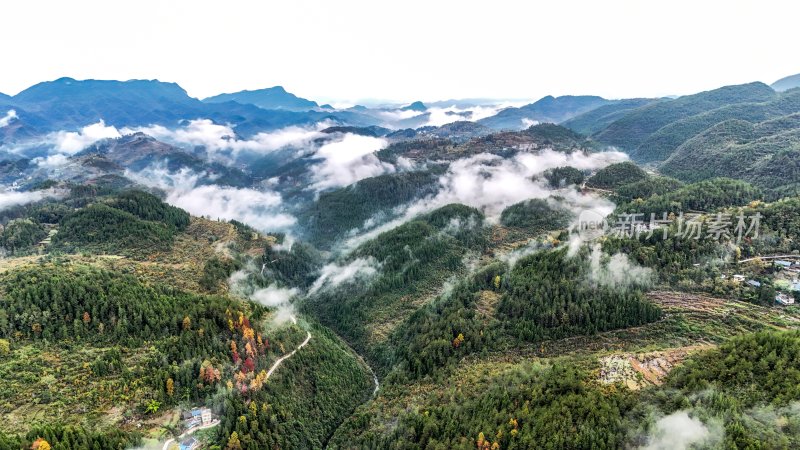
(325, 222)
(631, 130)
(661, 144)
(599, 118)
(766, 154)
(616, 175)
(413, 262)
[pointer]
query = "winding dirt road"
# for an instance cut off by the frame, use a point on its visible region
(272, 369)
(277, 363)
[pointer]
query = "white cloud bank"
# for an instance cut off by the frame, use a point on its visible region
(53, 161)
(62, 143)
(491, 183)
(278, 298)
(618, 271)
(273, 296)
(71, 142)
(10, 197)
(679, 431)
(332, 275)
(350, 159)
(259, 209)
(438, 115)
(222, 143)
(8, 118)
(443, 116)
(253, 207)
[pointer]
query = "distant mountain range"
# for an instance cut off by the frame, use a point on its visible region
(68, 104)
(722, 128)
(548, 109)
(786, 83)
(269, 98)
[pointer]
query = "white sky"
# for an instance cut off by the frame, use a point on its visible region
(404, 50)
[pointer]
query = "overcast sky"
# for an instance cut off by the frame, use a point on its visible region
(404, 50)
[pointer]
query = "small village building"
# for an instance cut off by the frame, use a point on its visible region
(189, 443)
(738, 278)
(754, 283)
(197, 417)
(205, 416)
(784, 299)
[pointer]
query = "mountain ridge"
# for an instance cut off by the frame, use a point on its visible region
(275, 97)
(786, 83)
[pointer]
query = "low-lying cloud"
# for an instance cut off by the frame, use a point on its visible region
(442, 116)
(250, 206)
(10, 198)
(527, 123)
(491, 183)
(257, 208)
(617, 271)
(347, 160)
(278, 298)
(437, 116)
(9, 117)
(222, 143)
(679, 431)
(52, 161)
(273, 296)
(332, 275)
(71, 142)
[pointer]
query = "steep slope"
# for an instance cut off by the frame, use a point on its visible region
(369, 198)
(597, 119)
(767, 154)
(410, 265)
(269, 98)
(635, 127)
(660, 145)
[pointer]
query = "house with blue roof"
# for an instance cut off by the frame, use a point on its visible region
(189, 443)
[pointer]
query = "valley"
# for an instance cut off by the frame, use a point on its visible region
(330, 278)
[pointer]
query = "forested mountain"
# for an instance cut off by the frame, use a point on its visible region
(632, 130)
(138, 151)
(597, 119)
(363, 200)
(661, 144)
(745, 132)
(765, 154)
(327, 278)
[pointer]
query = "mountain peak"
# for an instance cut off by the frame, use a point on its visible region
(275, 97)
(416, 106)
